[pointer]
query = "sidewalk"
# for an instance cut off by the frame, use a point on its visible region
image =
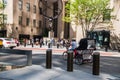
(37, 72)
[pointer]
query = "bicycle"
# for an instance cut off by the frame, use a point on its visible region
(80, 56)
(65, 53)
(76, 57)
(84, 56)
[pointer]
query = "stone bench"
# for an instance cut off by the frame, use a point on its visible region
(28, 53)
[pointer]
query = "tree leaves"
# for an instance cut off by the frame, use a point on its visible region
(87, 12)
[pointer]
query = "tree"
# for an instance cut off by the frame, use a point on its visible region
(87, 13)
(2, 15)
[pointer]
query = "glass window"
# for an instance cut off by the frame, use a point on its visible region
(27, 21)
(106, 15)
(40, 10)
(40, 23)
(5, 19)
(34, 9)
(20, 20)
(5, 2)
(20, 3)
(28, 6)
(34, 23)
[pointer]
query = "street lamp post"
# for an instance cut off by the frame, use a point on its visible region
(48, 4)
(51, 32)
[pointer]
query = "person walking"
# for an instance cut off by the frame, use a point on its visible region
(41, 42)
(32, 42)
(46, 42)
(67, 44)
(25, 41)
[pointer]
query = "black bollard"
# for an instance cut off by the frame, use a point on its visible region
(70, 61)
(96, 63)
(49, 58)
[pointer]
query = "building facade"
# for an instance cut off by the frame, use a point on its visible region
(27, 18)
(23, 18)
(110, 30)
(31, 18)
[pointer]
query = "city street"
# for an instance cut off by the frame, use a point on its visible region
(109, 61)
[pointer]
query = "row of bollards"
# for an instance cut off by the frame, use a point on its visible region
(96, 61)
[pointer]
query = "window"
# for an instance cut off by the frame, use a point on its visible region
(5, 2)
(106, 15)
(40, 10)
(5, 19)
(40, 23)
(34, 23)
(20, 20)
(28, 6)
(27, 21)
(34, 9)
(20, 3)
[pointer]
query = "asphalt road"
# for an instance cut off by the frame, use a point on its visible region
(108, 64)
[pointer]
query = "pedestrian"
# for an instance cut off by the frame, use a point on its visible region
(25, 41)
(16, 41)
(67, 44)
(58, 44)
(41, 42)
(32, 42)
(63, 42)
(46, 42)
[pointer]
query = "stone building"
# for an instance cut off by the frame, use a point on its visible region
(26, 18)
(110, 30)
(22, 18)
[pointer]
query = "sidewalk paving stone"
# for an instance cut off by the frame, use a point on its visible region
(37, 72)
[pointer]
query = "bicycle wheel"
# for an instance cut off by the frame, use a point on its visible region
(91, 59)
(64, 55)
(79, 59)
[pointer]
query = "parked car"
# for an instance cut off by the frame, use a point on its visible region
(7, 43)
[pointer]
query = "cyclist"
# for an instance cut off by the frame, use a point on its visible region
(73, 44)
